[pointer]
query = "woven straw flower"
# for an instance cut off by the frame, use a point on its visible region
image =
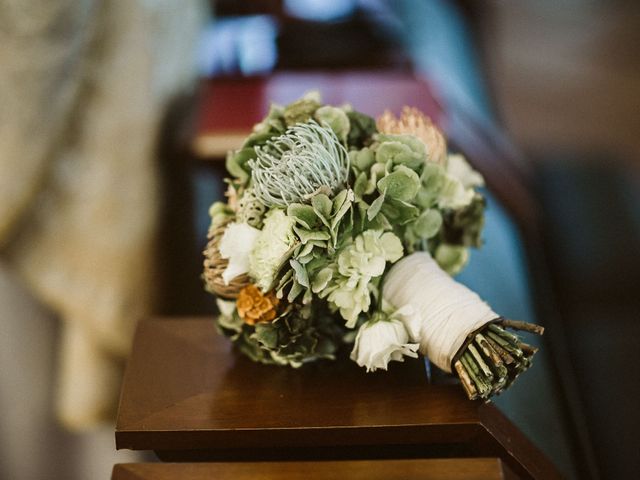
(413, 122)
(254, 306)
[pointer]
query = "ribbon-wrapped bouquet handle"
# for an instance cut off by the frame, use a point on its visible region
(340, 230)
(455, 328)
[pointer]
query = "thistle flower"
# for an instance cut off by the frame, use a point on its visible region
(413, 122)
(305, 160)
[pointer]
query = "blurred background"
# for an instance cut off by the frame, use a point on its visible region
(114, 122)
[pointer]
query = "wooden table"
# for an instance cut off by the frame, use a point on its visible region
(188, 396)
(433, 469)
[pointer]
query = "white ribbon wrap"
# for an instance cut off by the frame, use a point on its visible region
(443, 311)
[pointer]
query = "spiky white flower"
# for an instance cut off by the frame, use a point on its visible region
(305, 160)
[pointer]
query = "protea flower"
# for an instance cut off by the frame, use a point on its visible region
(307, 159)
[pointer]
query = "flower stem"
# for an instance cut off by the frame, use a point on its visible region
(493, 358)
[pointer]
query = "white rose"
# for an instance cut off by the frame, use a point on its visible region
(236, 245)
(380, 342)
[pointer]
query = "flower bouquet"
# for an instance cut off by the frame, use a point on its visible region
(340, 230)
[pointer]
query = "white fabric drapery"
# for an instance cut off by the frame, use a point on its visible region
(83, 88)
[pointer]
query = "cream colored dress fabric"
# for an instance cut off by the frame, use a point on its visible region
(83, 88)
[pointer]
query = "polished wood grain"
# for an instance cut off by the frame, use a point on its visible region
(188, 396)
(432, 469)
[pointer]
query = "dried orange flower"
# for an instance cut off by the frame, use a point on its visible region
(413, 122)
(254, 306)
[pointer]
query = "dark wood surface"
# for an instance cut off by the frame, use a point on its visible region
(188, 396)
(432, 469)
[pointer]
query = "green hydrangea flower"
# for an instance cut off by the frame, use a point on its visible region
(348, 282)
(369, 252)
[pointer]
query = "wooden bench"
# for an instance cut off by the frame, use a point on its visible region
(434, 469)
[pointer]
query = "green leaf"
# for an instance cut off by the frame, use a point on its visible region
(305, 260)
(399, 212)
(402, 184)
(432, 178)
(231, 322)
(266, 335)
(335, 118)
(464, 226)
(360, 185)
(296, 289)
(306, 300)
(306, 236)
(389, 150)
(258, 139)
(362, 159)
(362, 129)
(375, 207)
(338, 201)
(304, 215)
(321, 279)
(236, 163)
(251, 348)
(341, 206)
(306, 249)
(300, 111)
(322, 205)
(301, 273)
(284, 282)
(451, 258)
(401, 150)
(361, 215)
(271, 126)
(379, 170)
(428, 224)
(380, 222)
(320, 260)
